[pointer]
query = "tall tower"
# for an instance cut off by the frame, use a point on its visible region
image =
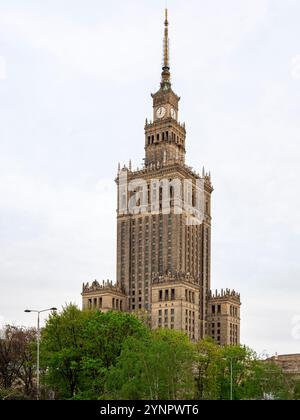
(163, 246)
(165, 137)
(157, 246)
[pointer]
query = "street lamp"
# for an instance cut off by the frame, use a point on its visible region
(38, 347)
(231, 378)
(231, 358)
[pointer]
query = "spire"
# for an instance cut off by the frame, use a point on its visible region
(165, 76)
(166, 42)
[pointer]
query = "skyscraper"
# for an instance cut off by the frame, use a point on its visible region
(164, 234)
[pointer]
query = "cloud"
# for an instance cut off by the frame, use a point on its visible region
(295, 67)
(3, 68)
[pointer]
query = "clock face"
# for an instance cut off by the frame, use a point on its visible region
(173, 113)
(161, 112)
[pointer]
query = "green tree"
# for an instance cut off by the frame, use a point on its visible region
(159, 367)
(78, 347)
(252, 378)
(208, 360)
(296, 389)
(104, 337)
(93, 355)
(61, 350)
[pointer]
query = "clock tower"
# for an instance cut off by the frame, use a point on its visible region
(165, 136)
(163, 251)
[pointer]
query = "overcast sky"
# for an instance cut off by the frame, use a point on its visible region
(75, 84)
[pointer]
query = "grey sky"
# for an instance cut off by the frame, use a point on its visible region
(75, 83)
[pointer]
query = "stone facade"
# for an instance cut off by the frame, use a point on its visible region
(289, 363)
(163, 255)
(224, 317)
(104, 297)
(175, 304)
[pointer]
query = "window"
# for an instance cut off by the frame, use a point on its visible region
(213, 308)
(219, 309)
(167, 294)
(207, 207)
(160, 312)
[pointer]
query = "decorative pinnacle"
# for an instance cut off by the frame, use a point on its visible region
(166, 41)
(166, 59)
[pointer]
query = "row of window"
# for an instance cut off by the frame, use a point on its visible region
(96, 303)
(164, 136)
(218, 325)
(133, 307)
(216, 309)
(189, 296)
(233, 311)
(166, 312)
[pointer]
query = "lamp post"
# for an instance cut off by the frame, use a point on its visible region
(231, 373)
(38, 347)
(231, 379)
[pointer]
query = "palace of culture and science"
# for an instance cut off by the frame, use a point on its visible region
(163, 256)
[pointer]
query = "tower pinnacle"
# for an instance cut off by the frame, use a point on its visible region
(165, 76)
